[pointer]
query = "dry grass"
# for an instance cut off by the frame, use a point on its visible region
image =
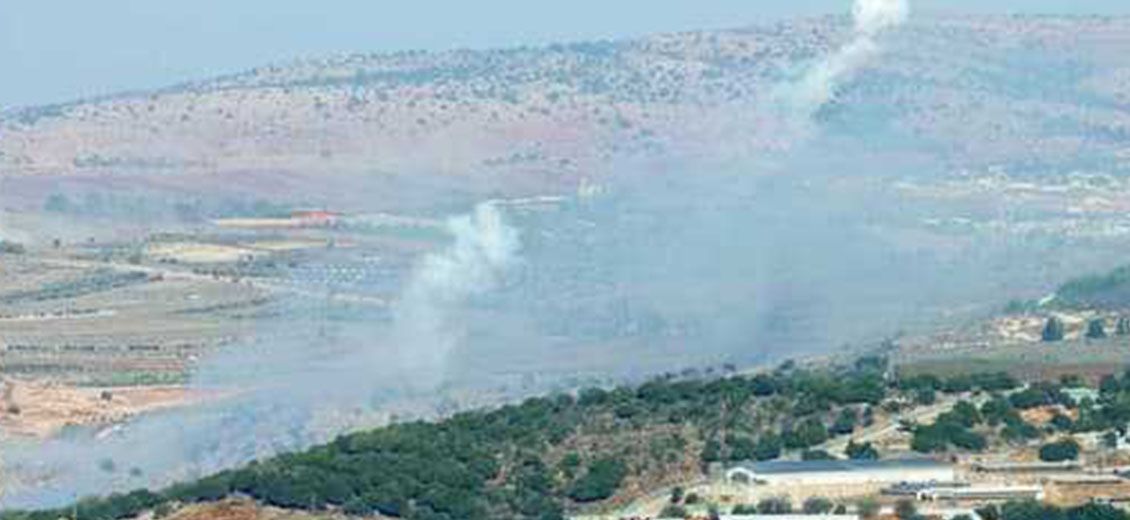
(41, 410)
(200, 253)
(236, 509)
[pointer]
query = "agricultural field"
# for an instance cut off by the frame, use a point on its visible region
(130, 320)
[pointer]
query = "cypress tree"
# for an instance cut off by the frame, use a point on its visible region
(1096, 329)
(1122, 327)
(1053, 330)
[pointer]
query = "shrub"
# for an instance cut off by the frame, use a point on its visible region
(868, 507)
(768, 447)
(1060, 451)
(906, 510)
(601, 481)
(775, 506)
(818, 506)
(816, 455)
(864, 451)
(845, 422)
(744, 509)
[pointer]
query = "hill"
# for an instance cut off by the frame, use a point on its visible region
(1103, 291)
(969, 92)
(599, 450)
(549, 455)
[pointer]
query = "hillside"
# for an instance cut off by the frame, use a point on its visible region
(599, 450)
(585, 452)
(964, 92)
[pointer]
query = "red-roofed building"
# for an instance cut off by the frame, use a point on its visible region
(316, 218)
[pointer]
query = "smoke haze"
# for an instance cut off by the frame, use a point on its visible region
(818, 85)
(684, 264)
(424, 327)
(304, 379)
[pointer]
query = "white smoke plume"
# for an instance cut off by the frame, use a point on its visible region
(818, 85)
(285, 394)
(426, 328)
(873, 16)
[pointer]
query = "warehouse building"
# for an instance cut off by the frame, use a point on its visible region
(840, 472)
(789, 517)
(983, 493)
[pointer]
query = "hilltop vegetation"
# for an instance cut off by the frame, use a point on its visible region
(598, 448)
(507, 107)
(549, 455)
(998, 420)
(1102, 291)
(567, 453)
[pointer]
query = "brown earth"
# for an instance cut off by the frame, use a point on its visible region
(236, 509)
(40, 410)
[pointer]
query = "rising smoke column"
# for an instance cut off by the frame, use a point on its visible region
(818, 85)
(426, 324)
(286, 395)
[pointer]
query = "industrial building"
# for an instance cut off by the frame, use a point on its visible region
(982, 493)
(840, 472)
(789, 517)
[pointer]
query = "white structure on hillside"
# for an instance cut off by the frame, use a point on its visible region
(789, 517)
(852, 472)
(982, 493)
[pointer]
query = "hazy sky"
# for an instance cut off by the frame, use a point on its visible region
(56, 50)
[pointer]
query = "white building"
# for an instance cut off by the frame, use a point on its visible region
(983, 493)
(837, 472)
(789, 517)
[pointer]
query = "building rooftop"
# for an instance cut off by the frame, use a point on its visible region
(813, 466)
(789, 517)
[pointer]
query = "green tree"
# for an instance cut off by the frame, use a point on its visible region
(1122, 326)
(1062, 422)
(813, 432)
(1110, 440)
(775, 506)
(868, 507)
(741, 447)
(989, 512)
(925, 396)
(1096, 329)
(818, 506)
(845, 422)
(1064, 450)
(966, 414)
(768, 447)
(906, 510)
(601, 481)
(1053, 330)
(864, 451)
